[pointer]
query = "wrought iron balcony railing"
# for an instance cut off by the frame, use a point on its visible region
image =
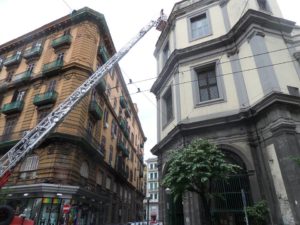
(122, 148)
(21, 77)
(33, 52)
(123, 102)
(103, 54)
(101, 87)
(64, 40)
(13, 60)
(52, 67)
(13, 107)
(45, 98)
(95, 110)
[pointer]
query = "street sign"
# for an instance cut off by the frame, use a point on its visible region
(66, 208)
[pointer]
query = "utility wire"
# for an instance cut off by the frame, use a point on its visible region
(220, 75)
(229, 61)
(66, 3)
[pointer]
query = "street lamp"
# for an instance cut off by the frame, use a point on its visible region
(148, 203)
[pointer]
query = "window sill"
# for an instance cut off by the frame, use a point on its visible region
(201, 37)
(210, 102)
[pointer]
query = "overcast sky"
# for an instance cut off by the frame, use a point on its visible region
(124, 19)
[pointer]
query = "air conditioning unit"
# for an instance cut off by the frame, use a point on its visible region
(106, 125)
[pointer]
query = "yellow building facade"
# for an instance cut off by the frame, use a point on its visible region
(89, 169)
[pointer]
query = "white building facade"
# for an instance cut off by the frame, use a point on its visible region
(229, 71)
(152, 190)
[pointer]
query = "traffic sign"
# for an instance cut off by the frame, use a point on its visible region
(66, 208)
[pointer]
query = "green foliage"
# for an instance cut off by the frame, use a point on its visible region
(258, 213)
(296, 159)
(193, 167)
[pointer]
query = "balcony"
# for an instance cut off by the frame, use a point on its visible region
(21, 77)
(8, 140)
(127, 113)
(123, 102)
(3, 85)
(33, 52)
(48, 97)
(52, 67)
(64, 40)
(101, 87)
(95, 110)
(13, 60)
(122, 148)
(102, 53)
(13, 107)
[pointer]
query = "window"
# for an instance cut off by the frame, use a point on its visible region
(84, 170)
(90, 126)
(67, 32)
(18, 96)
(155, 196)
(166, 53)
(155, 175)
(207, 83)
(42, 114)
(105, 124)
(99, 177)
(263, 5)
(111, 149)
(29, 167)
(9, 127)
(51, 86)
(114, 129)
(60, 56)
(30, 68)
(108, 183)
(167, 107)
(9, 76)
(199, 26)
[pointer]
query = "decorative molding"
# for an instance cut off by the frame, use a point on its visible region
(223, 2)
(255, 33)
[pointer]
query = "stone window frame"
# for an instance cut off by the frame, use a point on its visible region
(166, 121)
(198, 14)
(220, 84)
(165, 52)
(84, 169)
(29, 167)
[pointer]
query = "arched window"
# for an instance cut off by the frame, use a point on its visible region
(29, 167)
(84, 170)
(227, 205)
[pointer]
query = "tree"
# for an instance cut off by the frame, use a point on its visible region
(258, 213)
(194, 168)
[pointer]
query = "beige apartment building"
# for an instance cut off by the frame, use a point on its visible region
(89, 170)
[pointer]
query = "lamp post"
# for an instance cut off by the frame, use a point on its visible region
(168, 193)
(148, 203)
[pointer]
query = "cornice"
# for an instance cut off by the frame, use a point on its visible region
(75, 17)
(251, 20)
(243, 116)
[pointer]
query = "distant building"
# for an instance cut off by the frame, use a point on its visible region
(152, 190)
(92, 163)
(229, 71)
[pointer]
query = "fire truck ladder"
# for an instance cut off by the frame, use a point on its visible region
(35, 136)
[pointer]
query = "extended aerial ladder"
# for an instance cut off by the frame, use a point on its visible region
(35, 136)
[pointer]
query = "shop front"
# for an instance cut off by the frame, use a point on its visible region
(47, 208)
